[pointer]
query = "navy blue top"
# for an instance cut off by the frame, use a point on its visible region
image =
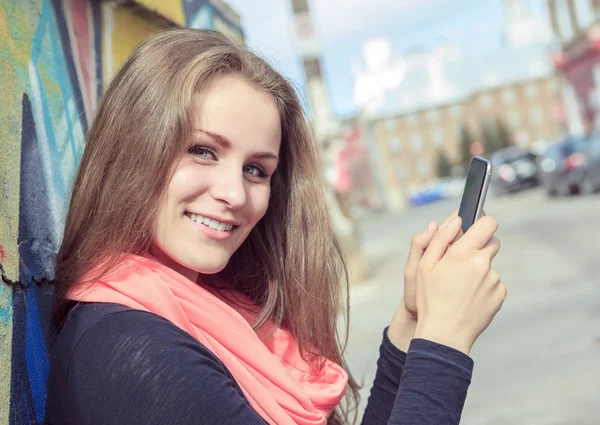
(112, 365)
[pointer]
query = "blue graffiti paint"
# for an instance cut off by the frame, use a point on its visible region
(36, 355)
(31, 307)
(45, 16)
(22, 405)
(5, 311)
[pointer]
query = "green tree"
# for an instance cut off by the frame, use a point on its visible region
(444, 166)
(466, 140)
(503, 136)
(489, 136)
(495, 135)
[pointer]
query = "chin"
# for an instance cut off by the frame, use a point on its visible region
(210, 267)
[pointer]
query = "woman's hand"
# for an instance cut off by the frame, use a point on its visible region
(418, 246)
(457, 291)
(404, 322)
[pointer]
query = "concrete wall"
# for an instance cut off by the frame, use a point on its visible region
(55, 58)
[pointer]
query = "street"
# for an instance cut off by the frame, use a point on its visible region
(538, 363)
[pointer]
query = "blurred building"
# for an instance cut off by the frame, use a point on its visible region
(416, 104)
(577, 59)
(335, 149)
(522, 28)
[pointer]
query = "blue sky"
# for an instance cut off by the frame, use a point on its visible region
(344, 25)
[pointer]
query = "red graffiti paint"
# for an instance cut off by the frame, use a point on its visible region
(80, 31)
(2, 255)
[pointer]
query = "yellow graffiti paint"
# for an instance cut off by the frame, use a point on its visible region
(123, 30)
(172, 9)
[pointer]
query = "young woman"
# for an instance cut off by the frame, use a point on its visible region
(198, 280)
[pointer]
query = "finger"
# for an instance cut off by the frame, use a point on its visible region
(419, 244)
(441, 240)
(492, 248)
(478, 234)
(450, 217)
(492, 278)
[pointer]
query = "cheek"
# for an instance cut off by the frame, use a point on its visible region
(260, 201)
(187, 183)
(181, 184)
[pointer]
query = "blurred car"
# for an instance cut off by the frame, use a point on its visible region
(432, 192)
(513, 168)
(562, 166)
(589, 178)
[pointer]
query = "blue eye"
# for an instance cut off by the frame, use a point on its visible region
(202, 152)
(255, 171)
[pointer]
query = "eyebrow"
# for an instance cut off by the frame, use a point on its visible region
(226, 144)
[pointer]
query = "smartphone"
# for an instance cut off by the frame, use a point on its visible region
(476, 188)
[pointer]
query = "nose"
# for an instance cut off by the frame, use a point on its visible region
(230, 189)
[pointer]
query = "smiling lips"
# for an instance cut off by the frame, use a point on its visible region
(211, 223)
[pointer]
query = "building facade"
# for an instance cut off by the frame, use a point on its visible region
(519, 89)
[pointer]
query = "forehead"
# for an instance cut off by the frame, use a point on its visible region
(233, 108)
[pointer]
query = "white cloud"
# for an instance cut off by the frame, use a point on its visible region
(337, 19)
(269, 23)
(268, 27)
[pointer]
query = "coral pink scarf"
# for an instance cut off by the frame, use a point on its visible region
(276, 381)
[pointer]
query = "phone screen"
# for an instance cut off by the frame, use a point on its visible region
(472, 193)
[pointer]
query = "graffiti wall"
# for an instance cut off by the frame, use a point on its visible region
(55, 58)
(49, 86)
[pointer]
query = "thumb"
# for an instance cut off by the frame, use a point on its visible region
(441, 241)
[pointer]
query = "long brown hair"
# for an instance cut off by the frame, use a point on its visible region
(291, 263)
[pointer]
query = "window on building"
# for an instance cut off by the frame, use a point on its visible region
(584, 13)
(456, 110)
(537, 115)
(552, 86)
(423, 167)
(565, 26)
(514, 119)
(486, 101)
(438, 138)
(531, 90)
(416, 142)
(509, 96)
(400, 171)
(411, 119)
(433, 115)
(395, 145)
(390, 124)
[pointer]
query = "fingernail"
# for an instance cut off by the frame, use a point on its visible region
(454, 222)
(430, 227)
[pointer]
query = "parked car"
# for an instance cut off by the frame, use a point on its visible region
(561, 166)
(589, 179)
(430, 193)
(513, 168)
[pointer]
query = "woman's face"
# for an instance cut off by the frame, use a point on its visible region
(221, 186)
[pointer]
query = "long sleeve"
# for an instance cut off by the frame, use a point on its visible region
(426, 386)
(390, 366)
(135, 368)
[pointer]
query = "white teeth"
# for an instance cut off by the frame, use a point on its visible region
(213, 224)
